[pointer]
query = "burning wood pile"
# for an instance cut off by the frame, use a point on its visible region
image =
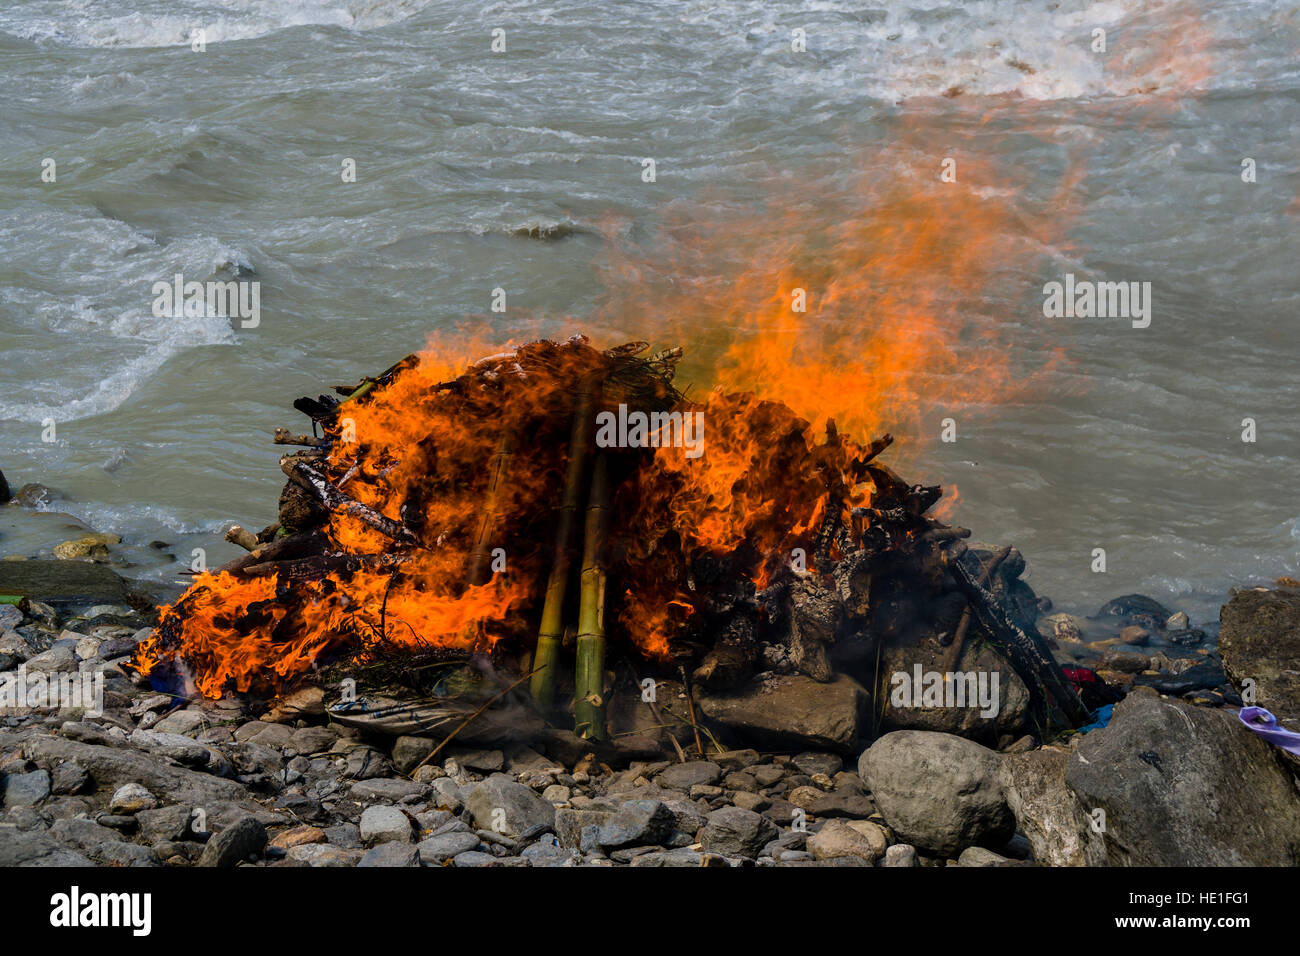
(565, 514)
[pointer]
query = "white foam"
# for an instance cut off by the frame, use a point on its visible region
(160, 23)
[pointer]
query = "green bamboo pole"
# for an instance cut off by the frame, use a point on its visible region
(589, 680)
(480, 556)
(551, 632)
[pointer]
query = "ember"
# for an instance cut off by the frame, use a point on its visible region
(480, 514)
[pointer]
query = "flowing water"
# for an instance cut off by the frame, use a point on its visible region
(523, 170)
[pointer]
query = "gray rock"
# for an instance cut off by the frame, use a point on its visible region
(26, 789)
(569, 824)
(938, 792)
(409, 751)
(366, 791)
(1047, 811)
(475, 858)
(637, 823)
(312, 740)
(979, 856)
(173, 746)
(437, 849)
(323, 854)
(481, 761)
(732, 832)
(548, 854)
(1186, 786)
(180, 722)
(683, 776)
(19, 848)
(237, 842)
(69, 777)
(165, 824)
(125, 854)
(384, 824)
(391, 854)
(794, 712)
(115, 766)
(812, 762)
(901, 854)
(58, 659)
(504, 806)
(669, 858)
(82, 833)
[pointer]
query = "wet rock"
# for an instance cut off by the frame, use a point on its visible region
(1186, 786)
(235, 843)
(26, 789)
(732, 832)
(87, 546)
(131, 798)
(1134, 609)
(858, 839)
(61, 583)
(793, 712)
(1047, 811)
(938, 792)
(384, 825)
(391, 854)
(1259, 639)
(637, 823)
(1204, 676)
(506, 806)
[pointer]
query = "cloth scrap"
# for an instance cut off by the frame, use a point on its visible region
(1265, 724)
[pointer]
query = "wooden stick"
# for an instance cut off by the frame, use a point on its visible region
(480, 556)
(467, 721)
(1026, 651)
(342, 503)
(285, 437)
(589, 678)
(551, 631)
(245, 539)
(690, 710)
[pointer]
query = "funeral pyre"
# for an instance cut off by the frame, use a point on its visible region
(564, 513)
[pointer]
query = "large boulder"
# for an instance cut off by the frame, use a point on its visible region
(500, 803)
(793, 713)
(1186, 786)
(62, 582)
(939, 792)
(1010, 717)
(1259, 640)
(1047, 812)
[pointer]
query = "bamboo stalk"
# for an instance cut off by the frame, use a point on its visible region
(551, 631)
(480, 557)
(589, 679)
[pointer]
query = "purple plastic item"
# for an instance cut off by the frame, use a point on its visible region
(1265, 724)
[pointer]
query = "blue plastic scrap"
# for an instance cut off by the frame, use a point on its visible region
(1100, 718)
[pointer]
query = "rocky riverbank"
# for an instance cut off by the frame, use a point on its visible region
(812, 774)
